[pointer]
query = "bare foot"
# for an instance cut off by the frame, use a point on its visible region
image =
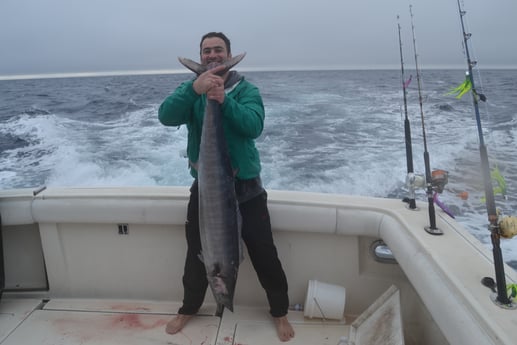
(283, 328)
(175, 325)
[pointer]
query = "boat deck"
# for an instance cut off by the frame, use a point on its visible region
(89, 321)
(129, 243)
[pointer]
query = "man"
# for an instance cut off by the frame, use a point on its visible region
(243, 121)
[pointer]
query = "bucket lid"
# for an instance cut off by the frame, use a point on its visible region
(382, 320)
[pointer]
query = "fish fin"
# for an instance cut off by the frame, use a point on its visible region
(232, 62)
(192, 65)
(199, 68)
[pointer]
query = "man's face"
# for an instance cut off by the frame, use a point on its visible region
(213, 50)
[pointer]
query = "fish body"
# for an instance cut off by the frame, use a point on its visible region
(219, 217)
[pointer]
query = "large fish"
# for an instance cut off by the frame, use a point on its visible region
(219, 216)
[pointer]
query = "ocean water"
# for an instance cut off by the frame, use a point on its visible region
(326, 131)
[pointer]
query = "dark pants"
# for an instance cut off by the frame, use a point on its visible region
(257, 235)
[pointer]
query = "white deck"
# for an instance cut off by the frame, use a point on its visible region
(98, 322)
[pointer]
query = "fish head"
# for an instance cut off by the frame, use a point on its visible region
(222, 292)
(222, 282)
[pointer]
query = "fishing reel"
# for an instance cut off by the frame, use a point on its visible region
(508, 226)
(439, 178)
(414, 182)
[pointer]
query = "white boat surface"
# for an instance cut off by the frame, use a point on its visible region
(104, 266)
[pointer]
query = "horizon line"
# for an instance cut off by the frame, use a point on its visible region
(243, 69)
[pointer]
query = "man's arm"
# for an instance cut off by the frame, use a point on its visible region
(176, 109)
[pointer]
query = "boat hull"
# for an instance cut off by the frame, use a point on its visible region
(78, 249)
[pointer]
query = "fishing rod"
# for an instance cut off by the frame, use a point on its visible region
(407, 128)
(432, 229)
(493, 218)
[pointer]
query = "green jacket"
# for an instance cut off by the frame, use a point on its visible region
(243, 122)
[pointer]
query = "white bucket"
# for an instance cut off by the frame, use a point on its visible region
(324, 300)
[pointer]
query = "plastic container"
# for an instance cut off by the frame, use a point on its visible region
(323, 300)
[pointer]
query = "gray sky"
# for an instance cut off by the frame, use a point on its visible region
(73, 36)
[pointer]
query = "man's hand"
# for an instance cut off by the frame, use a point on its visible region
(211, 84)
(216, 93)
